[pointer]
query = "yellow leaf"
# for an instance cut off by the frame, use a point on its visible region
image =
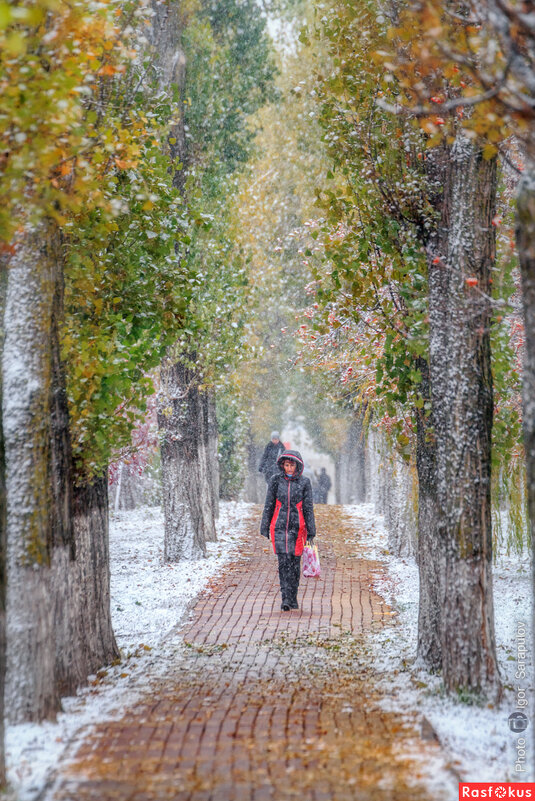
(15, 44)
(489, 151)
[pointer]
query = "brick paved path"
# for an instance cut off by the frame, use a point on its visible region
(263, 705)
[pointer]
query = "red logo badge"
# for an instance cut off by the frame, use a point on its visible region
(495, 790)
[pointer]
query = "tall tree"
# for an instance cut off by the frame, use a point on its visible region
(380, 217)
(81, 235)
(473, 62)
(228, 76)
(386, 210)
(460, 313)
(3, 547)
(186, 495)
(38, 459)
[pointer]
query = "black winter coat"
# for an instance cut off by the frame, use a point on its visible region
(288, 518)
(268, 462)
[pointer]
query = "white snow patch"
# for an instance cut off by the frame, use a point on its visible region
(148, 600)
(477, 740)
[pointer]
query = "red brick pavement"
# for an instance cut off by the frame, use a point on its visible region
(263, 705)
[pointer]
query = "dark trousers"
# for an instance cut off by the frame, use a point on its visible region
(289, 573)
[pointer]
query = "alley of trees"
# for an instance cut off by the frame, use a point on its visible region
(213, 211)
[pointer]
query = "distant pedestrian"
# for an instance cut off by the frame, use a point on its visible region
(272, 451)
(324, 485)
(288, 520)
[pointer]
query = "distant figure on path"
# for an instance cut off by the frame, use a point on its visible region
(288, 520)
(272, 451)
(324, 485)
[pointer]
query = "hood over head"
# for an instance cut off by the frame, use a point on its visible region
(296, 456)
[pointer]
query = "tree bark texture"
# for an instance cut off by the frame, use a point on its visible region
(38, 484)
(462, 399)
(431, 566)
(59, 623)
(338, 478)
(189, 445)
(429, 649)
(91, 527)
(374, 474)
(208, 462)
(399, 505)
(126, 494)
(392, 491)
(213, 450)
(170, 60)
(353, 462)
(525, 239)
(187, 495)
(84, 635)
(3, 544)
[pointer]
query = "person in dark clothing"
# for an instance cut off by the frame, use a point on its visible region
(288, 520)
(272, 451)
(324, 485)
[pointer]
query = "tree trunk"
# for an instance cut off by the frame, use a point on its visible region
(207, 465)
(3, 576)
(398, 506)
(353, 462)
(189, 456)
(374, 472)
(430, 569)
(38, 485)
(359, 481)
(59, 624)
(84, 636)
(3, 595)
(338, 478)
(461, 386)
(525, 237)
(91, 526)
(166, 52)
(179, 423)
(525, 240)
(213, 451)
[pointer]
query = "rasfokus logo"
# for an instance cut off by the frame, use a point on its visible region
(490, 790)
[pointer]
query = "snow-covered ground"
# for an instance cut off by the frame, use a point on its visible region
(148, 599)
(480, 743)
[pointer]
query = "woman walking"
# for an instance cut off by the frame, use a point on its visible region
(288, 520)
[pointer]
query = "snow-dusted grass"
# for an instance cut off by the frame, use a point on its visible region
(148, 596)
(478, 739)
(148, 600)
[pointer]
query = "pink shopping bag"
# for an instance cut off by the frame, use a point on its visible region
(311, 562)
